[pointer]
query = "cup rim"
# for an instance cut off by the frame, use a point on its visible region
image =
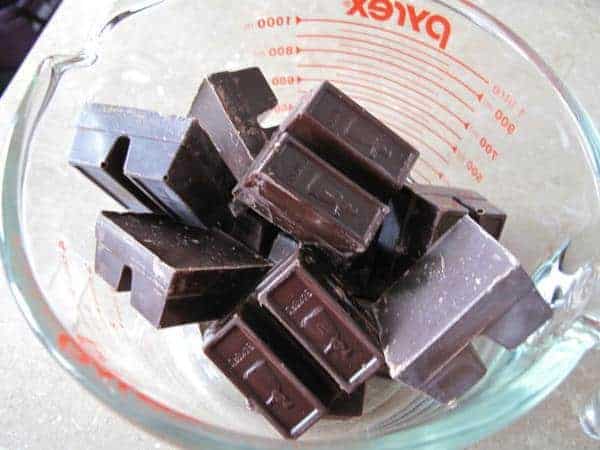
(157, 418)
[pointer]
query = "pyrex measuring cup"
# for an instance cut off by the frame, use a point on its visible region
(480, 106)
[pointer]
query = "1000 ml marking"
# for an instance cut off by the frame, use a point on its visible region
(436, 26)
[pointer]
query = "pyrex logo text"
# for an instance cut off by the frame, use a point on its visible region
(436, 26)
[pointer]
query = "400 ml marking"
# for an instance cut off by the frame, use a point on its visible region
(436, 26)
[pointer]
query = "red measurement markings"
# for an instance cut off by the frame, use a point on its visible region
(383, 61)
(391, 96)
(428, 64)
(379, 76)
(409, 134)
(474, 133)
(282, 50)
(402, 36)
(416, 50)
(508, 99)
(283, 108)
(395, 75)
(398, 76)
(488, 105)
(439, 175)
(459, 154)
(397, 99)
(276, 21)
(442, 106)
(489, 149)
(420, 174)
(393, 118)
(353, 46)
(505, 122)
(285, 80)
(340, 37)
(475, 171)
(361, 96)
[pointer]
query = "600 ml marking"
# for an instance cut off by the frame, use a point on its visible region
(437, 27)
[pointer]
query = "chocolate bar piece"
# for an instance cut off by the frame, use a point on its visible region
(528, 315)
(271, 370)
(464, 284)
(457, 377)
(314, 315)
(307, 198)
(252, 230)
(176, 164)
(168, 164)
(490, 217)
(420, 215)
(177, 275)
(283, 247)
(348, 137)
(228, 105)
(99, 152)
(348, 406)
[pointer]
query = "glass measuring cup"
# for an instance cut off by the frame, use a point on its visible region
(532, 153)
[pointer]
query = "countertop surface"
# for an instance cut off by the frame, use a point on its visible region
(43, 408)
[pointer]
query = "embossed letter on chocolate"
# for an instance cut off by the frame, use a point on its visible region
(348, 137)
(315, 317)
(306, 197)
(228, 105)
(176, 274)
(260, 358)
(463, 286)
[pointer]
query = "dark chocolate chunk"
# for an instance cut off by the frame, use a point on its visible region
(176, 274)
(150, 162)
(529, 314)
(465, 283)
(491, 218)
(348, 406)
(485, 214)
(306, 197)
(457, 377)
(99, 152)
(348, 137)
(269, 368)
(175, 163)
(283, 247)
(315, 316)
(254, 231)
(423, 217)
(228, 105)
(419, 216)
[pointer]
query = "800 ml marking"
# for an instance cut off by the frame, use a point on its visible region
(284, 80)
(505, 122)
(282, 50)
(283, 108)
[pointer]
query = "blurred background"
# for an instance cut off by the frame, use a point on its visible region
(21, 23)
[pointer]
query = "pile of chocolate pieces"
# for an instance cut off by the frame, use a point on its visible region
(303, 252)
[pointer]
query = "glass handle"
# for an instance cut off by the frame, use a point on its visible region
(589, 416)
